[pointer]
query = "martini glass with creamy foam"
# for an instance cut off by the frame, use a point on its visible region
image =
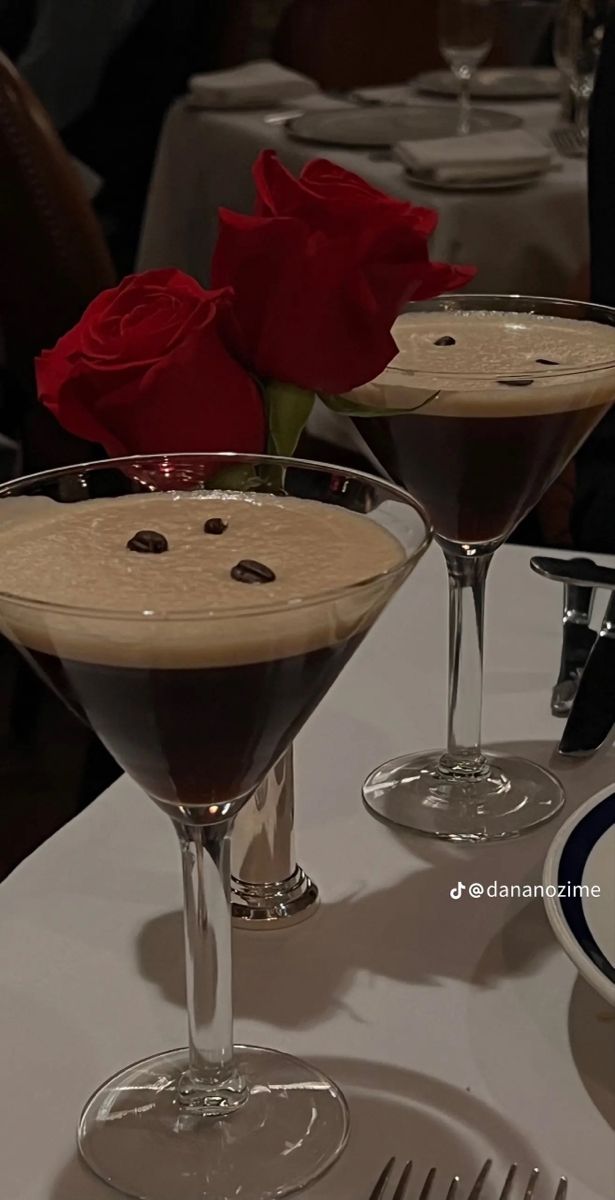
(488, 399)
(196, 619)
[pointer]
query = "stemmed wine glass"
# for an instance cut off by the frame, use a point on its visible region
(465, 37)
(487, 401)
(577, 42)
(135, 587)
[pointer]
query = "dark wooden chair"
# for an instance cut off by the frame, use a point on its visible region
(54, 261)
(54, 257)
(351, 43)
(354, 43)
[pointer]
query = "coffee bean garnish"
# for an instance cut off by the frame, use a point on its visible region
(515, 382)
(547, 362)
(250, 571)
(215, 525)
(147, 541)
(445, 341)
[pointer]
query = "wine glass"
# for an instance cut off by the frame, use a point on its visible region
(196, 631)
(488, 399)
(465, 37)
(577, 42)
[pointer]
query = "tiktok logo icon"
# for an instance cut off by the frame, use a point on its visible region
(457, 892)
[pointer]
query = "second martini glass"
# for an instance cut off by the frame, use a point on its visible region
(197, 629)
(487, 401)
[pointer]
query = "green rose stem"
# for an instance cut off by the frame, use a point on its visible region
(287, 409)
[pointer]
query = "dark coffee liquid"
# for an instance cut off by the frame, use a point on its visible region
(477, 476)
(203, 735)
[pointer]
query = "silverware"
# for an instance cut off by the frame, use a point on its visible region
(282, 118)
(569, 142)
(564, 570)
(277, 117)
(506, 1193)
(480, 1179)
(592, 715)
(402, 1193)
(577, 640)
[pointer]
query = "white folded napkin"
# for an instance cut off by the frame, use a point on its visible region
(476, 157)
(254, 85)
(390, 93)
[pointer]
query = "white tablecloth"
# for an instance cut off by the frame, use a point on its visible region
(457, 1029)
(531, 240)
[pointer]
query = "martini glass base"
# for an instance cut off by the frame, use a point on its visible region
(136, 1135)
(511, 797)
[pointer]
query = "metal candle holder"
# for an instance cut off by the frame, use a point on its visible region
(270, 889)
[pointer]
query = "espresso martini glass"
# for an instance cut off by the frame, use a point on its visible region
(488, 399)
(195, 614)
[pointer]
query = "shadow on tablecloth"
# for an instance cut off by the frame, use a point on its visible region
(591, 1029)
(408, 931)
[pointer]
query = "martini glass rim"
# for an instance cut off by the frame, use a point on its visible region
(491, 302)
(18, 486)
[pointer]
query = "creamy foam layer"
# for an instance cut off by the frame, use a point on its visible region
(76, 555)
(461, 378)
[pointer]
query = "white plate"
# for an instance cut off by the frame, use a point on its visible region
(477, 185)
(583, 852)
(501, 83)
(383, 125)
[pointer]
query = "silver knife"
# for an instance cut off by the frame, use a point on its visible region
(577, 642)
(593, 711)
(565, 570)
(578, 638)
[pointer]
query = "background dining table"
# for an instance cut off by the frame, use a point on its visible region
(530, 239)
(458, 1029)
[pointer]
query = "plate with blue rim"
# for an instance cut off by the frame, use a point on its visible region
(579, 890)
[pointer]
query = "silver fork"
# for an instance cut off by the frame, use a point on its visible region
(569, 142)
(561, 1193)
(401, 1191)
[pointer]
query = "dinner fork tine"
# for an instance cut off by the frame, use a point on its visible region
(562, 1189)
(508, 1182)
(482, 1175)
(531, 1184)
(382, 1180)
(426, 1188)
(452, 1191)
(400, 1190)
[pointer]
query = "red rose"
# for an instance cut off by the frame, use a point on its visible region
(322, 271)
(146, 371)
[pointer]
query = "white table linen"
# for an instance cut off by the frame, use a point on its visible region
(457, 1029)
(532, 240)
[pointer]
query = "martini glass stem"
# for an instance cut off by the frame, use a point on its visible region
(211, 1085)
(467, 574)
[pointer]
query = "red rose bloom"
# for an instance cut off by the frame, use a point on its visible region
(146, 371)
(321, 272)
